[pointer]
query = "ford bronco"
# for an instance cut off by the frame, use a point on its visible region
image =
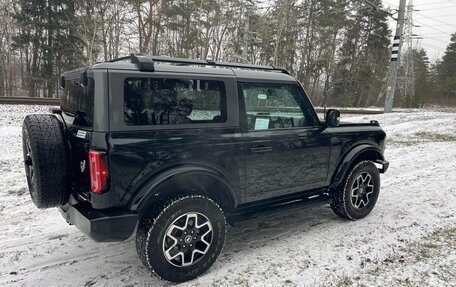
(175, 148)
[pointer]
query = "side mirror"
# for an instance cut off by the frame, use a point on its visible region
(332, 118)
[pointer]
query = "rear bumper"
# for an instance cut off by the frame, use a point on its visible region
(384, 165)
(100, 225)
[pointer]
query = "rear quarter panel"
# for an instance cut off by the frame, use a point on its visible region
(137, 154)
(136, 157)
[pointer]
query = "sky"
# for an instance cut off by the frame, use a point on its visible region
(436, 20)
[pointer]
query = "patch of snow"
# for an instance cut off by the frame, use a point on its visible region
(304, 244)
(410, 125)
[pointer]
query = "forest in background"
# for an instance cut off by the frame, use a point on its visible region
(338, 49)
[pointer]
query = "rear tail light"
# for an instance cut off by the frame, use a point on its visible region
(98, 171)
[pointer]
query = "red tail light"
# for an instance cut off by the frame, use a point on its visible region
(98, 171)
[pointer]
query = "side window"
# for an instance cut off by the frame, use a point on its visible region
(153, 101)
(79, 100)
(275, 106)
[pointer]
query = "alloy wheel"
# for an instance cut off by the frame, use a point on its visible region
(361, 190)
(187, 239)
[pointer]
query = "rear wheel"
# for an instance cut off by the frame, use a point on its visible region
(183, 240)
(359, 194)
(46, 160)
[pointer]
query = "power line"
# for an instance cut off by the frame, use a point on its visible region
(433, 3)
(446, 34)
(446, 42)
(451, 25)
(431, 27)
(454, 15)
(437, 8)
(436, 37)
(439, 25)
(433, 47)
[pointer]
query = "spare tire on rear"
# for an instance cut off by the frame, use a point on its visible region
(46, 159)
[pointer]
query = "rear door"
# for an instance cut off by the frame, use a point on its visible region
(84, 107)
(77, 103)
(287, 150)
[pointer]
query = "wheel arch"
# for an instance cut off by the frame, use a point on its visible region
(357, 154)
(186, 180)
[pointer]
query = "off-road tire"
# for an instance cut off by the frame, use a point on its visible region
(151, 232)
(341, 202)
(46, 160)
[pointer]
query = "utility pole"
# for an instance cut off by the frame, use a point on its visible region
(406, 79)
(395, 53)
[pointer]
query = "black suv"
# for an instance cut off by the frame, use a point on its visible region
(176, 150)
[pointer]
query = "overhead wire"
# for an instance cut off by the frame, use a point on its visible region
(433, 35)
(436, 8)
(451, 25)
(431, 27)
(447, 15)
(441, 32)
(432, 46)
(433, 3)
(436, 39)
(446, 34)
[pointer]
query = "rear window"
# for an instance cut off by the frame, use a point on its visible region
(78, 100)
(152, 101)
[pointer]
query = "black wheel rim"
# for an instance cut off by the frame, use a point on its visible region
(187, 239)
(362, 190)
(28, 161)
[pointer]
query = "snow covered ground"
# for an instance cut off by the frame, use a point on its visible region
(408, 240)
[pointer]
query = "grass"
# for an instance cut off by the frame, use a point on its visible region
(421, 258)
(436, 137)
(421, 137)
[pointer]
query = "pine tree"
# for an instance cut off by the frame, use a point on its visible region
(447, 70)
(47, 40)
(363, 56)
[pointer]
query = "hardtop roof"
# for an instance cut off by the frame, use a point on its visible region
(243, 72)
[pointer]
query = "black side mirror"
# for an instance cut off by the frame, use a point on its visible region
(332, 118)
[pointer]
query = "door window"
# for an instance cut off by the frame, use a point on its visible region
(270, 106)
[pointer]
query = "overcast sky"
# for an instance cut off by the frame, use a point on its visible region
(437, 21)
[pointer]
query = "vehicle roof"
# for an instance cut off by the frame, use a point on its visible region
(239, 73)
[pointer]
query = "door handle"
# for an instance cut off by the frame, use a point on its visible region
(260, 148)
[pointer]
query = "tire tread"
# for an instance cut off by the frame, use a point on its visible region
(338, 203)
(48, 144)
(146, 227)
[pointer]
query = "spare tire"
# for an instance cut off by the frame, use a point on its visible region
(46, 159)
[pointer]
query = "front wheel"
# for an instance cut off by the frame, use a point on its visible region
(183, 240)
(359, 194)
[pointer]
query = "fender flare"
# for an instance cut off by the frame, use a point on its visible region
(152, 187)
(350, 157)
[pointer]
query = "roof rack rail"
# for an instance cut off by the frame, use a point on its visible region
(146, 63)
